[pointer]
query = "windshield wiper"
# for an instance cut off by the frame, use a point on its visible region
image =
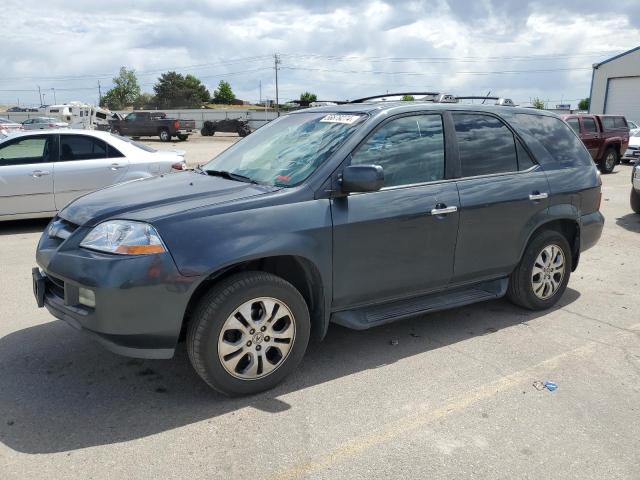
(228, 175)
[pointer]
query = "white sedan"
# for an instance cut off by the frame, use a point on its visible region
(41, 172)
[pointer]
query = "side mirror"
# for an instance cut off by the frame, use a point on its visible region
(362, 178)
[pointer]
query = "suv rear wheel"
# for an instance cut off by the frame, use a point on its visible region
(248, 333)
(609, 161)
(542, 275)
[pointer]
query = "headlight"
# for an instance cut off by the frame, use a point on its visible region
(124, 237)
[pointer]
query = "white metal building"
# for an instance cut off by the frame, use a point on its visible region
(615, 85)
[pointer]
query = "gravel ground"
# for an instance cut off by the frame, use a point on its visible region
(448, 395)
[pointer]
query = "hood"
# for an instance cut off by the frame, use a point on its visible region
(634, 141)
(157, 197)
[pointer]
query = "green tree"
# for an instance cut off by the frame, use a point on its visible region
(308, 97)
(144, 101)
(584, 104)
(537, 103)
(223, 94)
(124, 92)
(408, 98)
(173, 90)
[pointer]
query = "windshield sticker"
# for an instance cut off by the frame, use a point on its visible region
(335, 118)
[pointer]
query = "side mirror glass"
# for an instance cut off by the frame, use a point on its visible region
(362, 178)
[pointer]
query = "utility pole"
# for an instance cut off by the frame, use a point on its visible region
(55, 101)
(99, 94)
(260, 91)
(276, 59)
(40, 94)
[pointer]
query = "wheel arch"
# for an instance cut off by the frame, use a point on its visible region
(301, 272)
(567, 226)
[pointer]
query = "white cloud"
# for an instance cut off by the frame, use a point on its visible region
(73, 44)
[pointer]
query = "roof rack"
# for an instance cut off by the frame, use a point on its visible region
(402, 94)
(439, 98)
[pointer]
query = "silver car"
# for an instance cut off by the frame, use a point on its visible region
(41, 172)
(43, 123)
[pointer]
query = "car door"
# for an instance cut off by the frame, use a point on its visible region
(399, 241)
(128, 125)
(86, 163)
(501, 192)
(26, 180)
(28, 124)
(590, 135)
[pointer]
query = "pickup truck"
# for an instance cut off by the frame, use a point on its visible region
(605, 136)
(150, 124)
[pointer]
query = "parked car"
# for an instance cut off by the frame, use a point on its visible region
(345, 214)
(633, 149)
(634, 127)
(150, 124)
(43, 123)
(229, 125)
(41, 172)
(8, 126)
(635, 188)
(605, 136)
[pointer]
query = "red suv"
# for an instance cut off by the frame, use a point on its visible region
(605, 136)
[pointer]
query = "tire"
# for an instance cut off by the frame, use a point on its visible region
(215, 328)
(609, 160)
(164, 135)
(625, 160)
(182, 138)
(116, 131)
(523, 285)
(635, 200)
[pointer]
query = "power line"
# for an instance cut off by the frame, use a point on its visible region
(380, 72)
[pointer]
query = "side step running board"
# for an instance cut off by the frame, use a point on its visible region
(367, 317)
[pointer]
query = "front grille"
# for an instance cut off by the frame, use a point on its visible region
(61, 229)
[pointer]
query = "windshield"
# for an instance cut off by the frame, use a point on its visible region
(287, 150)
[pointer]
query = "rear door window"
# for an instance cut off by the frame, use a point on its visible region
(608, 123)
(409, 149)
(486, 145)
(589, 125)
(619, 122)
(81, 147)
(556, 137)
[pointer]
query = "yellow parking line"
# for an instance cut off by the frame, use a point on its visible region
(426, 415)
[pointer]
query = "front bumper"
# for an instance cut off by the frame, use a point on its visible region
(140, 301)
(185, 131)
(632, 152)
(591, 226)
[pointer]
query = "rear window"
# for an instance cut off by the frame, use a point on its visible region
(556, 137)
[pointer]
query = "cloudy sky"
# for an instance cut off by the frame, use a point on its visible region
(337, 49)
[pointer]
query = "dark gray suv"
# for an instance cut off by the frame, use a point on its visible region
(359, 214)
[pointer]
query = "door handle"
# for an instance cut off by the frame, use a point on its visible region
(443, 210)
(116, 166)
(538, 196)
(39, 173)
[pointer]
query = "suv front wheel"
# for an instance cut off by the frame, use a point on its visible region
(248, 333)
(542, 275)
(609, 161)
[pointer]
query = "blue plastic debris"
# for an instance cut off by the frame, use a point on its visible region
(550, 386)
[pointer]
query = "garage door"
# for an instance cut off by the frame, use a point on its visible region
(623, 97)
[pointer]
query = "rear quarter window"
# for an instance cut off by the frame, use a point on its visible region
(608, 123)
(619, 122)
(556, 137)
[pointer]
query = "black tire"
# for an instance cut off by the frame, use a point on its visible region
(244, 131)
(217, 306)
(182, 138)
(635, 201)
(625, 160)
(164, 134)
(521, 290)
(609, 160)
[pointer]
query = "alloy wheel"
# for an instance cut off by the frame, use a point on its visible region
(548, 272)
(256, 338)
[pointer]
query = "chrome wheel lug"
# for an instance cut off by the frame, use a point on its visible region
(258, 348)
(263, 329)
(252, 331)
(267, 338)
(249, 343)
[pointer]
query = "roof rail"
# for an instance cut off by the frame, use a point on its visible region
(402, 94)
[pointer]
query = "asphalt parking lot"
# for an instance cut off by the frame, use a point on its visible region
(449, 395)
